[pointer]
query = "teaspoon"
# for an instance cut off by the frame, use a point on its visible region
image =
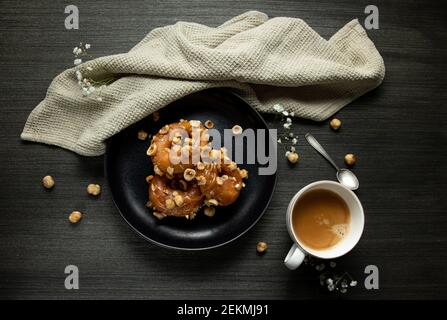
(345, 177)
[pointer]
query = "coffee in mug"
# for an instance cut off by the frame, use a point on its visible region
(320, 219)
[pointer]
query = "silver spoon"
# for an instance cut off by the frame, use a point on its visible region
(344, 176)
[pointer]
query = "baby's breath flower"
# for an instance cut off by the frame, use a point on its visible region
(78, 75)
(278, 108)
(77, 61)
(87, 45)
(320, 267)
(287, 125)
(279, 140)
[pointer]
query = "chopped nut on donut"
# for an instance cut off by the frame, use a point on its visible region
(170, 170)
(164, 130)
(170, 204)
(209, 124)
(142, 135)
(152, 150)
(211, 202)
(189, 174)
(158, 171)
(178, 199)
(195, 123)
(159, 215)
(209, 211)
(219, 181)
(243, 173)
(237, 129)
(238, 186)
(200, 165)
(201, 181)
(232, 166)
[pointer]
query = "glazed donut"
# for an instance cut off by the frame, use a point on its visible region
(220, 183)
(174, 198)
(176, 142)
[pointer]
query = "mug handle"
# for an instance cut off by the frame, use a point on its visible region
(294, 258)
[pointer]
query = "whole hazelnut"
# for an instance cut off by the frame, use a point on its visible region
(142, 135)
(292, 157)
(261, 247)
(93, 189)
(48, 182)
(335, 124)
(75, 216)
(350, 159)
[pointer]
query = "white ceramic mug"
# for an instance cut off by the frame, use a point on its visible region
(298, 251)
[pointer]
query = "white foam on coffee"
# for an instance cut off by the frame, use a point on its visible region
(340, 230)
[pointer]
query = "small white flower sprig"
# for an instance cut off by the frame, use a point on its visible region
(330, 277)
(287, 137)
(88, 86)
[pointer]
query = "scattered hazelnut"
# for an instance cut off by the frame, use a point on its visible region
(238, 186)
(237, 129)
(209, 211)
(209, 124)
(142, 135)
(178, 199)
(350, 159)
(170, 204)
(189, 174)
(261, 247)
(155, 116)
(75, 216)
(94, 189)
(48, 182)
(149, 178)
(243, 173)
(335, 124)
(152, 149)
(292, 157)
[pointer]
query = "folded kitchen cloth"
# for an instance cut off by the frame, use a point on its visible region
(266, 61)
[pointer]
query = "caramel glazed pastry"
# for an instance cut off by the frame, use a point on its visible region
(181, 186)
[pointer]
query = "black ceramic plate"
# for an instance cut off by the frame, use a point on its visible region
(127, 165)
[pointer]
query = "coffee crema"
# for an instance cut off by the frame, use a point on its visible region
(320, 219)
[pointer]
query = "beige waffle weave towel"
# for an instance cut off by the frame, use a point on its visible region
(266, 61)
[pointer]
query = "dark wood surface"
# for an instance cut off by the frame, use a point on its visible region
(398, 132)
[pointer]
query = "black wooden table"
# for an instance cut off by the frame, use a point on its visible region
(398, 132)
